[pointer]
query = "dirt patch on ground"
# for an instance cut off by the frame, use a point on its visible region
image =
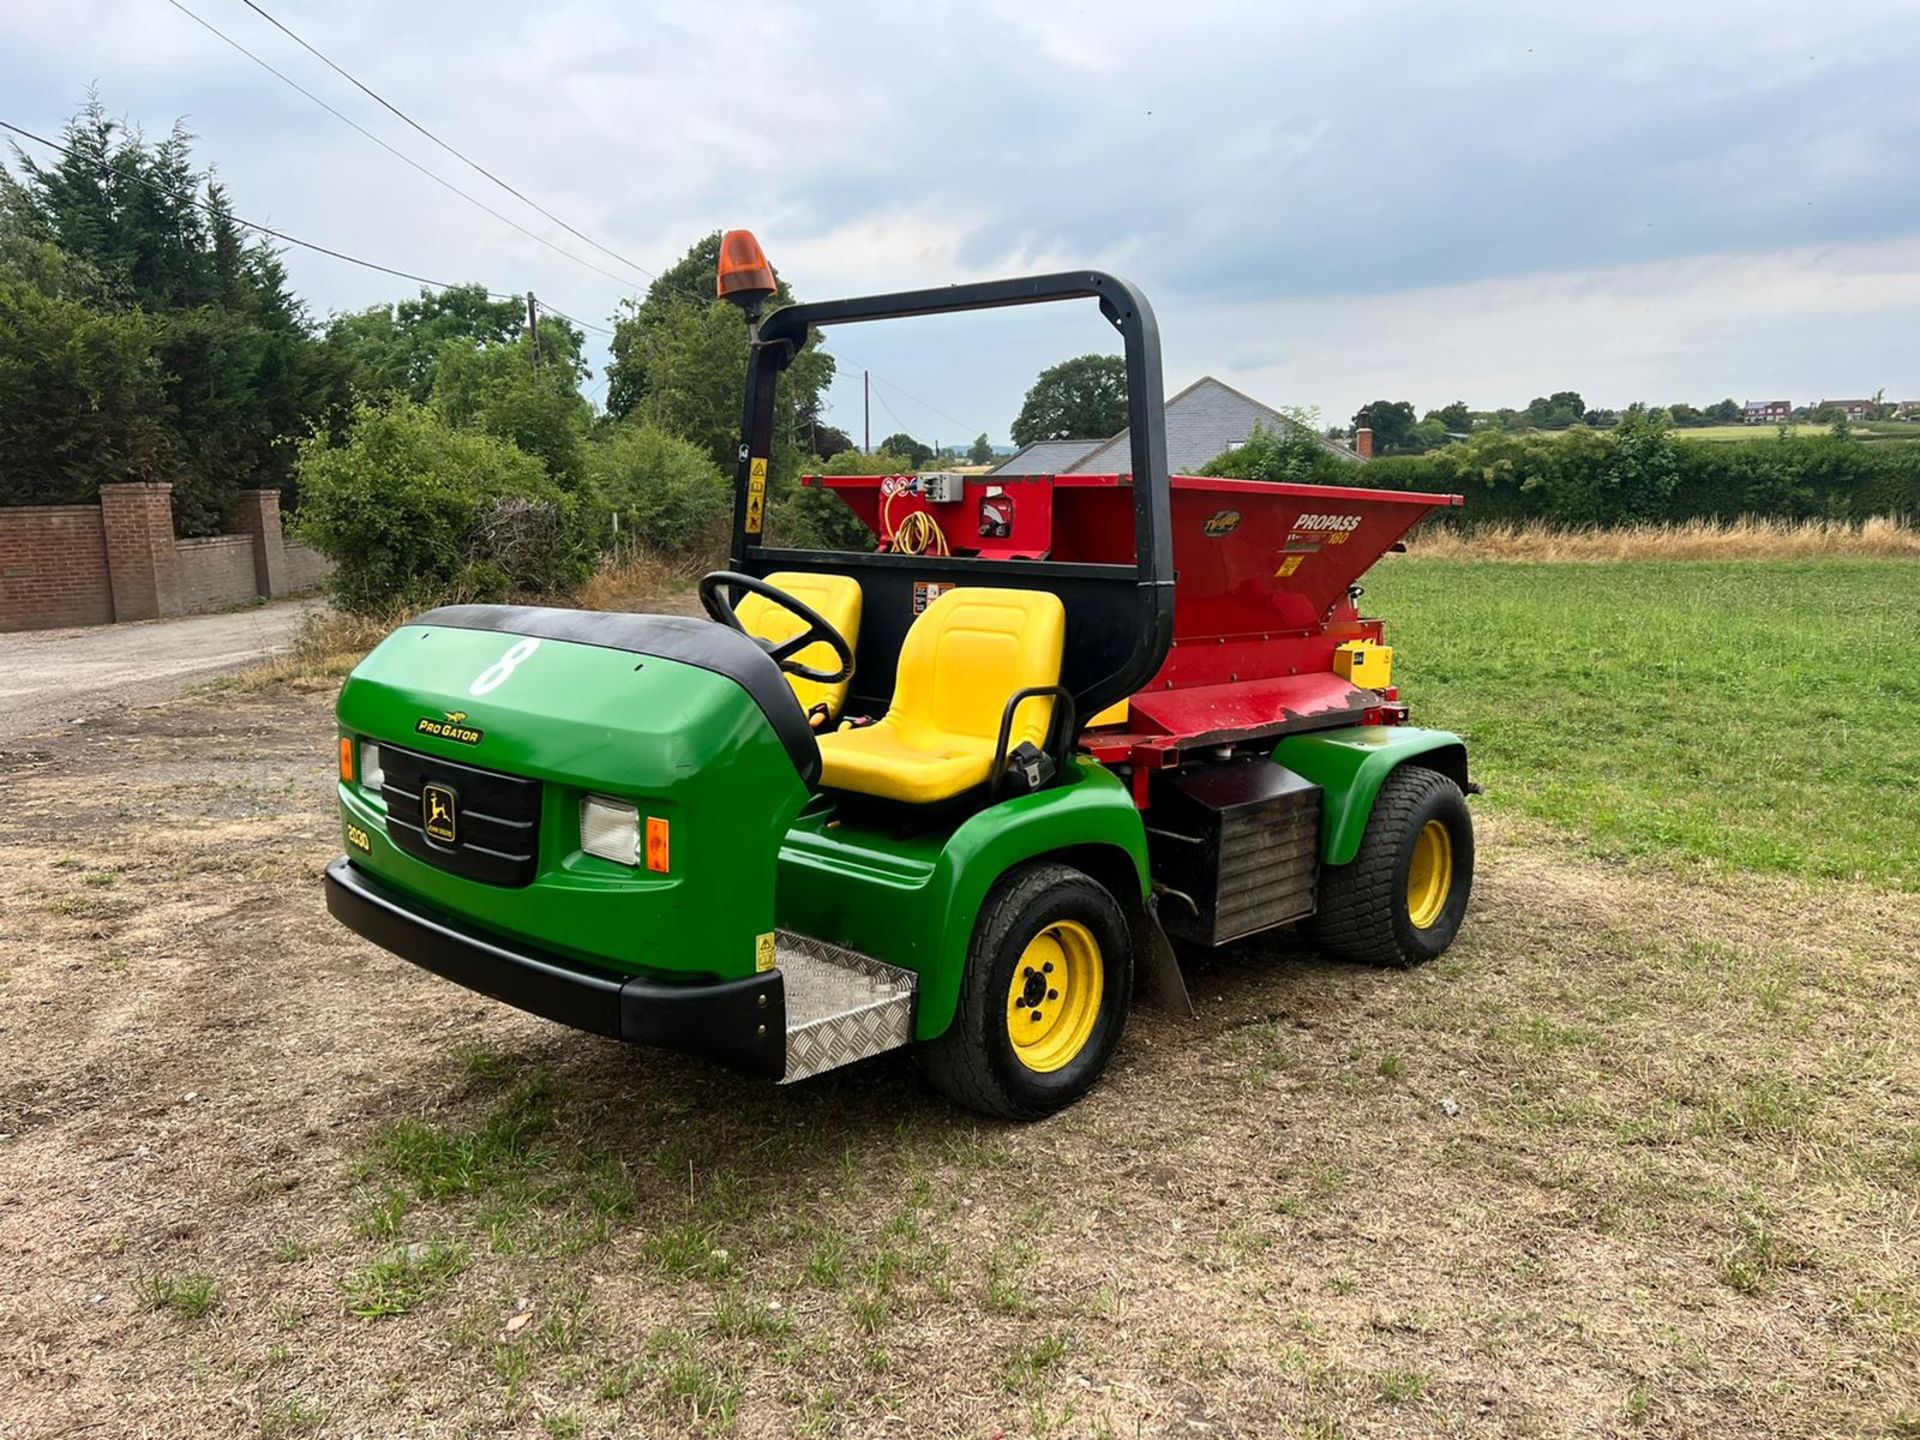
(1640, 1155)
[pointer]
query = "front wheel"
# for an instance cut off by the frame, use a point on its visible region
(1401, 899)
(1048, 981)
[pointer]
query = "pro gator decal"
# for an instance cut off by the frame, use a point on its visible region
(454, 727)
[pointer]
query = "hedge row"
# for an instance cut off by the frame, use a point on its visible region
(1644, 473)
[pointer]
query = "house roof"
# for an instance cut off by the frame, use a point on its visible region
(1204, 421)
(1045, 457)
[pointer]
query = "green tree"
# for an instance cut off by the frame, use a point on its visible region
(393, 349)
(1724, 412)
(981, 451)
(1080, 399)
(1393, 424)
(911, 450)
(680, 362)
(500, 388)
(412, 510)
(139, 231)
(667, 492)
(1289, 452)
(1643, 471)
(815, 517)
(81, 396)
(1557, 411)
(826, 441)
(1456, 418)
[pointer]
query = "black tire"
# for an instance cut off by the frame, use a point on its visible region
(975, 1063)
(1364, 912)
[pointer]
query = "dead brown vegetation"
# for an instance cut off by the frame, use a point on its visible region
(1746, 539)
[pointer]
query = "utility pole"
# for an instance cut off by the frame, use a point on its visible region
(866, 411)
(533, 326)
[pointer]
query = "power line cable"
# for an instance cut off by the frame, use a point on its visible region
(399, 155)
(458, 155)
(282, 235)
(896, 386)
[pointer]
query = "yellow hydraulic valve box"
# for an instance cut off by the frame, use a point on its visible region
(1363, 663)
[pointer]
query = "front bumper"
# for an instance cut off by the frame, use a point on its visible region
(739, 1023)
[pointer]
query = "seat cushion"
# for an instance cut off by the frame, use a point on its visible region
(836, 599)
(880, 761)
(970, 651)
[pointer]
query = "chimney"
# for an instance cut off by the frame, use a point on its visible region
(1363, 442)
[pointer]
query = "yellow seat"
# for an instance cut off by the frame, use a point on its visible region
(836, 598)
(963, 659)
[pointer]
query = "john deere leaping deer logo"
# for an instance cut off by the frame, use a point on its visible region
(454, 717)
(437, 816)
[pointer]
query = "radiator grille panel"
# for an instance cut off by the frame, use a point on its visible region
(497, 817)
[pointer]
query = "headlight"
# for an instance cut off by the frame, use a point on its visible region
(372, 777)
(610, 829)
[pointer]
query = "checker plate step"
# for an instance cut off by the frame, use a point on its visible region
(842, 1006)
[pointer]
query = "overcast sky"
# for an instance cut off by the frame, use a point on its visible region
(1326, 205)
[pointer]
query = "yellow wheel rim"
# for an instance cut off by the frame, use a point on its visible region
(1430, 876)
(1055, 996)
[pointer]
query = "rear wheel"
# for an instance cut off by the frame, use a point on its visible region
(1048, 981)
(1402, 898)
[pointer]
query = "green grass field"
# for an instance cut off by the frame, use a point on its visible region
(1755, 714)
(1866, 430)
(1870, 430)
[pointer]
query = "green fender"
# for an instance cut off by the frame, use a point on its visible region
(1350, 765)
(913, 900)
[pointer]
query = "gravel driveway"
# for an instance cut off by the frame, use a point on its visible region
(55, 677)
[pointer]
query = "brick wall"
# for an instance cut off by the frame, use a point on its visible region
(119, 560)
(53, 567)
(141, 559)
(306, 569)
(216, 573)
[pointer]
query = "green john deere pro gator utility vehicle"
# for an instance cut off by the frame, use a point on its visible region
(953, 792)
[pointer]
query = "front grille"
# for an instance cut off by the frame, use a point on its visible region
(496, 817)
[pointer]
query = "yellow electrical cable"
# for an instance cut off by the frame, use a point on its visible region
(918, 534)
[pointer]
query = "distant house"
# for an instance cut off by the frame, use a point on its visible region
(1852, 409)
(1204, 421)
(1767, 412)
(1907, 410)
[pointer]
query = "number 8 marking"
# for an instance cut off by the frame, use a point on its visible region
(495, 675)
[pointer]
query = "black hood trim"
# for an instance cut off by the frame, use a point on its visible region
(702, 644)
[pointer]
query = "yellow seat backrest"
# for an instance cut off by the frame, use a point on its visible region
(837, 600)
(962, 661)
(965, 656)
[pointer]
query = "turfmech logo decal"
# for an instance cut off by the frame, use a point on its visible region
(1327, 522)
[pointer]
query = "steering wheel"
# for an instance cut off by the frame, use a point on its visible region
(716, 596)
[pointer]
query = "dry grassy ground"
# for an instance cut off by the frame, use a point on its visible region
(1881, 538)
(1640, 1156)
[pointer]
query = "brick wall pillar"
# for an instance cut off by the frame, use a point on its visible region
(141, 556)
(258, 515)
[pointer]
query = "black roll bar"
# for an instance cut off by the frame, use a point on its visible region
(786, 331)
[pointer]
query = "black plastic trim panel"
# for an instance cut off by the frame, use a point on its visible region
(739, 1023)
